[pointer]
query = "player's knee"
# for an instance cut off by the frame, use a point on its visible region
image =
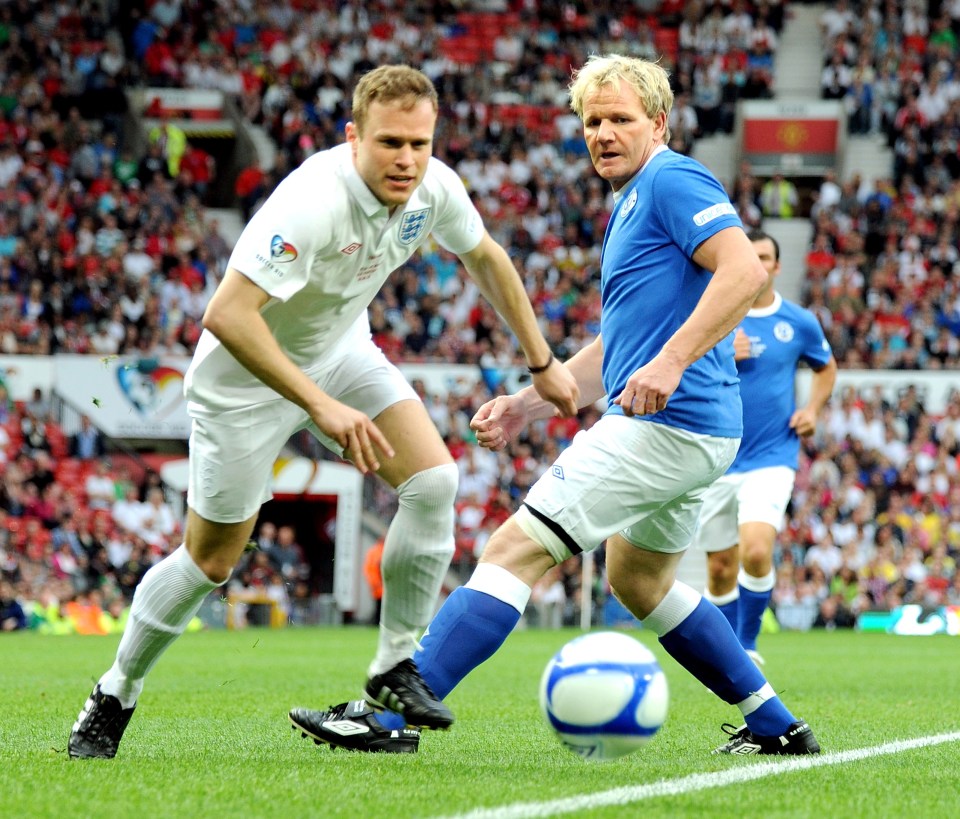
(431, 491)
(640, 595)
(757, 557)
(722, 568)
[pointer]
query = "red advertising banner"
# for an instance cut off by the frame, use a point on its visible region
(793, 136)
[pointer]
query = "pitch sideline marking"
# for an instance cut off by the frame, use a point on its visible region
(699, 782)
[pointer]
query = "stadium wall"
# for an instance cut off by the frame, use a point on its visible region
(22, 374)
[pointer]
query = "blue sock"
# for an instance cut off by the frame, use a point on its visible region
(731, 611)
(468, 629)
(729, 604)
(752, 606)
(755, 594)
(705, 645)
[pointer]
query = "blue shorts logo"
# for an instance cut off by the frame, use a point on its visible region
(413, 225)
(281, 251)
(557, 472)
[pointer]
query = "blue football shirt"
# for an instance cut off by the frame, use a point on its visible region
(650, 286)
(781, 336)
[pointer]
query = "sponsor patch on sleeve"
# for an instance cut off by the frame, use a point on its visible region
(713, 212)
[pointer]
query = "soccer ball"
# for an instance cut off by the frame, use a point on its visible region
(604, 694)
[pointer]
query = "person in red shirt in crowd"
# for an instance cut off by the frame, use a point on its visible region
(198, 166)
(159, 61)
(249, 187)
(820, 258)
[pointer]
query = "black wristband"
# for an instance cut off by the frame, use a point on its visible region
(543, 369)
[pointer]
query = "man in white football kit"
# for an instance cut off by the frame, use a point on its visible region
(743, 511)
(287, 346)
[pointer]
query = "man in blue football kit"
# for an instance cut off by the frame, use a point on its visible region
(677, 275)
(744, 510)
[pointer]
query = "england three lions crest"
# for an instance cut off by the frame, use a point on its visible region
(413, 225)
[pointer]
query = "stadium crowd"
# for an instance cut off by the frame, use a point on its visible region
(106, 252)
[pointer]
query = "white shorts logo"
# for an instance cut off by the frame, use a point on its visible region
(713, 212)
(783, 331)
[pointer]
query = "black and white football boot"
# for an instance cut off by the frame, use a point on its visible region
(98, 730)
(353, 726)
(797, 740)
(403, 690)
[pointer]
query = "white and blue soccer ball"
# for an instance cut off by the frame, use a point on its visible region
(604, 694)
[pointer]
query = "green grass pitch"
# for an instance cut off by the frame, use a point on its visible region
(211, 736)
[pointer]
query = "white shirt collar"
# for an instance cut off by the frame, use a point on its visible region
(369, 203)
(617, 194)
(763, 312)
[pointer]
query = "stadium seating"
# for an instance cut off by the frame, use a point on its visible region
(68, 175)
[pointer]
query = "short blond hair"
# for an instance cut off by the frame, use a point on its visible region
(649, 80)
(390, 83)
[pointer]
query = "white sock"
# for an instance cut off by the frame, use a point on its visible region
(393, 647)
(677, 605)
(416, 556)
(756, 584)
(496, 581)
(164, 603)
(722, 599)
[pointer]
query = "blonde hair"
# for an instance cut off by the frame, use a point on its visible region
(649, 80)
(390, 83)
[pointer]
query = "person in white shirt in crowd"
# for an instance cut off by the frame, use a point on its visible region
(99, 487)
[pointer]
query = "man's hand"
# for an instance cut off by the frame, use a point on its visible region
(804, 421)
(741, 345)
(354, 431)
(557, 385)
(498, 421)
(649, 388)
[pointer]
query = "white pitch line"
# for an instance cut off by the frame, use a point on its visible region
(699, 782)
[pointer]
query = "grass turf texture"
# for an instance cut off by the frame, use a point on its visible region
(211, 736)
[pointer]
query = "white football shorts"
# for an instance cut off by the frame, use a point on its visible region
(232, 453)
(757, 496)
(641, 479)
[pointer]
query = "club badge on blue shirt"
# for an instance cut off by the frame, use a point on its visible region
(782, 331)
(627, 206)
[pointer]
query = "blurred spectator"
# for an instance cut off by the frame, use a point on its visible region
(87, 442)
(157, 522)
(779, 197)
(374, 577)
(286, 555)
(128, 511)
(12, 616)
(549, 598)
(38, 407)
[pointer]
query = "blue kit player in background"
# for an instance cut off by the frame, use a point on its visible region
(677, 275)
(744, 510)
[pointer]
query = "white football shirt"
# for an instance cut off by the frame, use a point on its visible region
(322, 245)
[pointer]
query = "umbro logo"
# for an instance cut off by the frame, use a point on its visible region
(346, 727)
(557, 472)
(351, 248)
